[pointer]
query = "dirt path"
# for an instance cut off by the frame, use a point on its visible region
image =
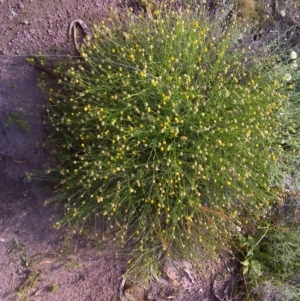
(36, 262)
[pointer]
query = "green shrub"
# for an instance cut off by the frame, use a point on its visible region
(271, 258)
(288, 69)
(282, 248)
(166, 132)
(273, 253)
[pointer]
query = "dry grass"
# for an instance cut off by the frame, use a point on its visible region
(246, 9)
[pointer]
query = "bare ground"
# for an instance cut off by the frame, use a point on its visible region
(37, 262)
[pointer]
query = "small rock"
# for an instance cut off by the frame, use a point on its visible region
(13, 13)
(2, 240)
(20, 5)
(32, 31)
(26, 180)
(25, 22)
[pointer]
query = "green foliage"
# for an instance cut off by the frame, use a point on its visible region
(271, 258)
(275, 252)
(250, 264)
(282, 247)
(14, 118)
(53, 288)
(288, 70)
(167, 133)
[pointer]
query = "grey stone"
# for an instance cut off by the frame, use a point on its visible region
(20, 5)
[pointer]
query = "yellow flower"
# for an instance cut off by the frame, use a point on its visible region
(188, 218)
(143, 74)
(154, 83)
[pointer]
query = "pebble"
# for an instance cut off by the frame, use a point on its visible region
(13, 13)
(26, 180)
(2, 240)
(20, 5)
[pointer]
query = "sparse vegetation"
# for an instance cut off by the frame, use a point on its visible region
(271, 258)
(53, 288)
(30, 273)
(14, 119)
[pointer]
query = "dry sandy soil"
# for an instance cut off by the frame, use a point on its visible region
(37, 262)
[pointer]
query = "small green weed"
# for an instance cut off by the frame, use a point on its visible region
(271, 258)
(28, 284)
(72, 265)
(14, 119)
(250, 263)
(53, 288)
(31, 274)
(18, 247)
